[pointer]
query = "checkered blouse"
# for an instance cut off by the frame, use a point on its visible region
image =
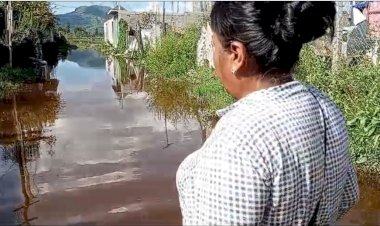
(265, 163)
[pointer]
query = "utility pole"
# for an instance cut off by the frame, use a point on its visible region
(163, 17)
(9, 24)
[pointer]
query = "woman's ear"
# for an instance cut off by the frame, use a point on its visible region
(238, 56)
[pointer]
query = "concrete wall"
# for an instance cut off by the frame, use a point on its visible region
(149, 37)
(110, 31)
(172, 19)
(182, 20)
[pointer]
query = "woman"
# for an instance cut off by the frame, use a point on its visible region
(279, 155)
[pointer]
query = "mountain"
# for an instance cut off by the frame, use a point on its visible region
(89, 17)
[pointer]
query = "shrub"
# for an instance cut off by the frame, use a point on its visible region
(208, 88)
(175, 54)
(356, 90)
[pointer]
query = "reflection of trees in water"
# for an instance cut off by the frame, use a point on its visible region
(22, 124)
(23, 153)
(31, 109)
(170, 99)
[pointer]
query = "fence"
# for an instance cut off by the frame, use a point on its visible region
(353, 39)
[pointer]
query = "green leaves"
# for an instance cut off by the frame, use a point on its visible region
(178, 87)
(356, 90)
(33, 20)
(174, 55)
(122, 36)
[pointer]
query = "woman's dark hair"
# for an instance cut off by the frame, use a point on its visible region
(272, 32)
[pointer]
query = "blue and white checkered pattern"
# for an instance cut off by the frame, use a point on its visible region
(264, 163)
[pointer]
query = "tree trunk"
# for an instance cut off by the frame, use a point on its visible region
(337, 42)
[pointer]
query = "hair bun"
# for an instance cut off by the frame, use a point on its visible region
(314, 19)
(298, 22)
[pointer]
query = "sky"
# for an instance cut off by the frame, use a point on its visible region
(61, 7)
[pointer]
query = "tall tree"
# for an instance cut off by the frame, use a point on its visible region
(33, 20)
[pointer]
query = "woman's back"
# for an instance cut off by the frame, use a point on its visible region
(265, 162)
(279, 155)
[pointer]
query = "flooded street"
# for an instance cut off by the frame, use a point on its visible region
(93, 152)
(108, 162)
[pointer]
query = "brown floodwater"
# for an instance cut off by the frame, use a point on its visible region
(86, 148)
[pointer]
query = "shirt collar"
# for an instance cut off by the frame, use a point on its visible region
(221, 112)
(224, 111)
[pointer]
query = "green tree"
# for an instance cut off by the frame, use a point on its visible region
(33, 20)
(80, 31)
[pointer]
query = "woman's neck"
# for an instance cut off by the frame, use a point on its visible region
(256, 83)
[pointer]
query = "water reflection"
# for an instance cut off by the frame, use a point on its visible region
(170, 99)
(86, 58)
(106, 162)
(23, 128)
(126, 77)
(94, 159)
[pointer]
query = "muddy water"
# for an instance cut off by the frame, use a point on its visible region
(89, 155)
(85, 148)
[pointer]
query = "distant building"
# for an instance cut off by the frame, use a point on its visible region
(152, 30)
(111, 25)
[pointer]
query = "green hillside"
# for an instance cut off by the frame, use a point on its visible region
(88, 17)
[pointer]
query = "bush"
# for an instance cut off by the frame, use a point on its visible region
(356, 90)
(208, 88)
(175, 54)
(7, 88)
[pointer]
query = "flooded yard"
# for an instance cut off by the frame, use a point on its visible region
(85, 148)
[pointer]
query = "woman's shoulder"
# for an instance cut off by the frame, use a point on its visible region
(327, 102)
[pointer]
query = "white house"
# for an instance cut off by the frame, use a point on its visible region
(111, 26)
